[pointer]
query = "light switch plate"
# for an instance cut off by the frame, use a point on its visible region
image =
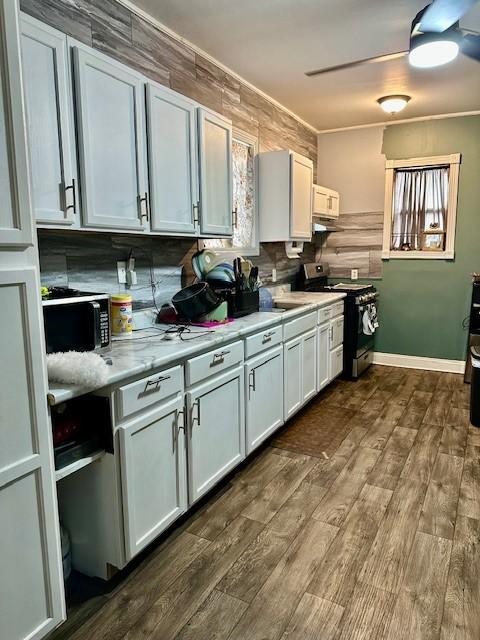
(354, 274)
(122, 272)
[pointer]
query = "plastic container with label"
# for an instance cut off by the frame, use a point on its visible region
(121, 312)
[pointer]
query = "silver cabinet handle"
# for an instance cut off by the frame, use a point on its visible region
(251, 381)
(145, 215)
(72, 206)
(219, 357)
(181, 427)
(196, 212)
(155, 383)
(235, 217)
(268, 336)
(197, 417)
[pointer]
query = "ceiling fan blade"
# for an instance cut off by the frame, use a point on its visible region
(442, 14)
(470, 46)
(357, 63)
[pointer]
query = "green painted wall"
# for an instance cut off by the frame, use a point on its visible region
(424, 302)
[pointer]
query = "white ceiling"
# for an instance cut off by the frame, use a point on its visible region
(272, 43)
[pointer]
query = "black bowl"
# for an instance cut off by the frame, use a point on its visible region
(195, 301)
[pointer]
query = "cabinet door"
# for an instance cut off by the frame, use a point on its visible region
(336, 362)
(336, 332)
(47, 103)
(309, 365)
(215, 155)
(264, 392)
(334, 205)
(301, 177)
(31, 581)
(323, 358)
(172, 147)
(111, 152)
(320, 200)
(15, 213)
(153, 467)
(216, 432)
(292, 364)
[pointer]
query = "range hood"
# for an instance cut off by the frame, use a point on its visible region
(322, 227)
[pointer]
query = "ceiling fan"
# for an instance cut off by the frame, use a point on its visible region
(435, 38)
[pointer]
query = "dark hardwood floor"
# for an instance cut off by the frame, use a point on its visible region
(360, 520)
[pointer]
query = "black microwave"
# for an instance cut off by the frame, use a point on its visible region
(76, 320)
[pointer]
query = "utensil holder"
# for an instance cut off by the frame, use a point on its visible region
(241, 303)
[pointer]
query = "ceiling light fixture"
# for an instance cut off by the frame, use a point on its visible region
(393, 104)
(432, 50)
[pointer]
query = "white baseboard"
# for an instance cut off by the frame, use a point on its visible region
(418, 362)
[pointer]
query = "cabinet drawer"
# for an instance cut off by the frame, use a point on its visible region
(263, 340)
(325, 314)
(299, 325)
(145, 392)
(213, 362)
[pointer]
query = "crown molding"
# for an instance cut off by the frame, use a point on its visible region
(439, 116)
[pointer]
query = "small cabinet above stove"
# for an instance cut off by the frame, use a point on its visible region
(326, 202)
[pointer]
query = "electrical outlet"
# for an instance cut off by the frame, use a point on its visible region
(122, 272)
(354, 274)
(274, 275)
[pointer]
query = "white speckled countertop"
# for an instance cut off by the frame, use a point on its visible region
(147, 350)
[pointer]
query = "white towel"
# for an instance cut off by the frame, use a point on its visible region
(370, 320)
(87, 369)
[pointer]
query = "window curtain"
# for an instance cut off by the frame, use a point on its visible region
(420, 201)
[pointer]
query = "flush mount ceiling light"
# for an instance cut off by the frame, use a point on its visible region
(393, 104)
(432, 49)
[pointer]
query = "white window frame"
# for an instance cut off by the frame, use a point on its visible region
(254, 250)
(453, 162)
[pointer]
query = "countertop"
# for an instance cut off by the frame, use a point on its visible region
(148, 349)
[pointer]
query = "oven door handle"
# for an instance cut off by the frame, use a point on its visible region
(97, 335)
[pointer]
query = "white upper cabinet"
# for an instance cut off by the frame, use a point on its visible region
(15, 215)
(172, 153)
(301, 176)
(326, 202)
(215, 157)
(49, 127)
(285, 196)
(111, 141)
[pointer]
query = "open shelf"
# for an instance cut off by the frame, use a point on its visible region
(78, 464)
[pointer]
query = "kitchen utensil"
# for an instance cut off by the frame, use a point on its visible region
(195, 301)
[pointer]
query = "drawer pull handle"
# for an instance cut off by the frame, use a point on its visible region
(268, 336)
(155, 383)
(218, 358)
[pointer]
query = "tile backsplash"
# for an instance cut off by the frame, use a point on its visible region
(88, 261)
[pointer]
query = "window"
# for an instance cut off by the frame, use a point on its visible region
(245, 231)
(421, 207)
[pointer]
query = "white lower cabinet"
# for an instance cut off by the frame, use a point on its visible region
(300, 371)
(154, 473)
(323, 359)
(264, 396)
(216, 430)
(336, 362)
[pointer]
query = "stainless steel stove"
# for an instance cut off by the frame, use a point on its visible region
(358, 347)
